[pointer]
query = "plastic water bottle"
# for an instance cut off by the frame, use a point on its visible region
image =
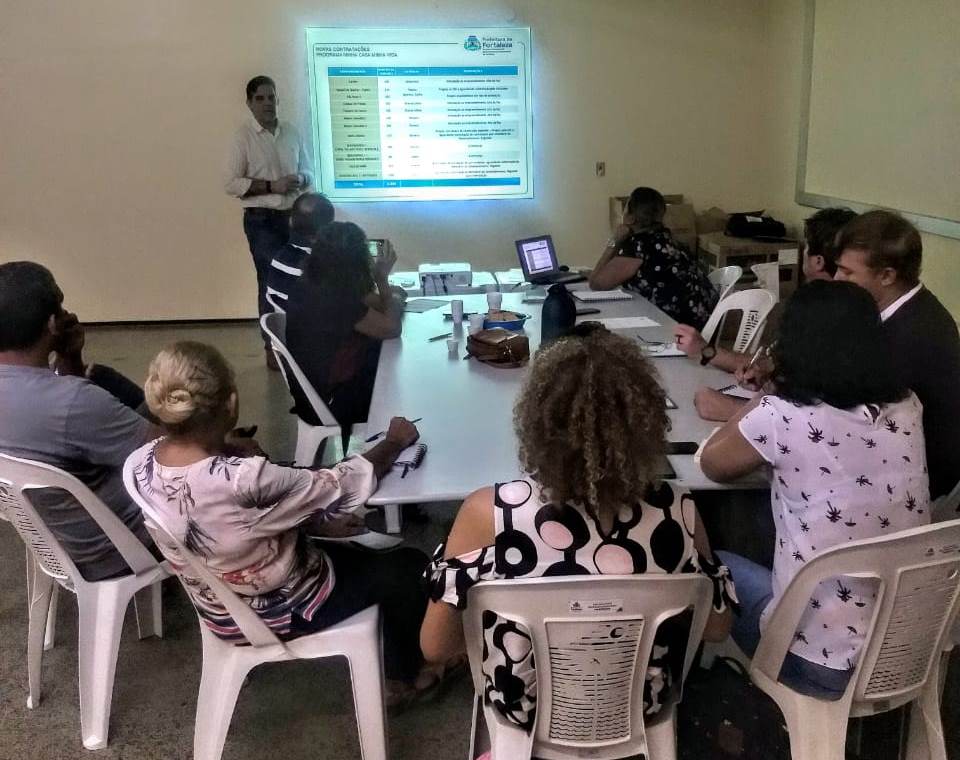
(559, 314)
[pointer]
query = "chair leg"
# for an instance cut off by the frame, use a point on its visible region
(41, 591)
(366, 677)
(925, 738)
(50, 637)
(220, 683)
(308, 443)
(102, 607)
(662, 738)
(817, 728)
(148, 605)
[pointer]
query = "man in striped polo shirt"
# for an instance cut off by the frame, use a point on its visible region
(310, 213)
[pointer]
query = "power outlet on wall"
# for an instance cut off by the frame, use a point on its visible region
(601, 168)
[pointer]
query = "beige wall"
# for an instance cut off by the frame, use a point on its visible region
(116, 117)
(941, 256)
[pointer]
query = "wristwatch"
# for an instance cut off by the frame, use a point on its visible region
(706, 356)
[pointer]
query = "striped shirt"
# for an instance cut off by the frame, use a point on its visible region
(285, 269)
(242, 517)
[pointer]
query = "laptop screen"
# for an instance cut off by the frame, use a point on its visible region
(537, 257)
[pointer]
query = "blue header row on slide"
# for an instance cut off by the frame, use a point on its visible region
(421, 71)
(465, 182)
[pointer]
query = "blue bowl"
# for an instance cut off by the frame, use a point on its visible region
(513, 324)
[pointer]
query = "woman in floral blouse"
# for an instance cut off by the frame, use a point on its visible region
(248, 519)
(644, 256)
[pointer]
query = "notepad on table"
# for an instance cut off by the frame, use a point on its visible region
(627, 323)
(589, 296)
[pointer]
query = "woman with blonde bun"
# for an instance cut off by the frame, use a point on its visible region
(243, 515)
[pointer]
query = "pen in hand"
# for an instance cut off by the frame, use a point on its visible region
(374, 437)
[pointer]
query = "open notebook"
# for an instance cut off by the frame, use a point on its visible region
(590, 296)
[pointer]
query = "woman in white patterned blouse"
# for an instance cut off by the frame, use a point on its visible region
(845, 443)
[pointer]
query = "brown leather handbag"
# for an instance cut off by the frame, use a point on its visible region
(499, 347)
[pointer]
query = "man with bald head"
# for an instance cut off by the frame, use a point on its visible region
(310, 213)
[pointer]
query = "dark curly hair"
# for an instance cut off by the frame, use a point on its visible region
(340, 260)
(831, 350)
(591, 420)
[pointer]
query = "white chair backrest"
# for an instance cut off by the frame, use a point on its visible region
(755, 304)
(592, 640)
(918, 598)
(275, 326)
(724, 278)
(18, 477)
(768, 277)
(253, 628)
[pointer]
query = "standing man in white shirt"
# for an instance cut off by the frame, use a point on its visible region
(267, 169)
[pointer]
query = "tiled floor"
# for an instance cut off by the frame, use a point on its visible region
(291, 710)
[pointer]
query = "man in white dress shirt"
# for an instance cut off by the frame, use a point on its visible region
(267, 169)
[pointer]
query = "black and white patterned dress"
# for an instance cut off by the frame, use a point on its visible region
(537, 537)
(839, 475)
(670, 276)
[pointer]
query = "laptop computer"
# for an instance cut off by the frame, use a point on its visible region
(538, 259)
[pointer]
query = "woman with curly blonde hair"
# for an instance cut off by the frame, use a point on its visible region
(591, 424)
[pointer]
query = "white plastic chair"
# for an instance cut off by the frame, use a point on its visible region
(755, 304)
(309, 437)
(768, 277)
(102, 604)
(50, 633)
(724, 278)
(901, 662)
(226, 665)
(591, 663)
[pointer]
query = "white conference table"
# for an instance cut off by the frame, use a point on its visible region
(467, 406)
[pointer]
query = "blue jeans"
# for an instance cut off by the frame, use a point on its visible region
(267, 230)
(755, 590)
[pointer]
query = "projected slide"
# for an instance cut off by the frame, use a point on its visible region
(421, 114)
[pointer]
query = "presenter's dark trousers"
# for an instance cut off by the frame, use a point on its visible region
(267, 230)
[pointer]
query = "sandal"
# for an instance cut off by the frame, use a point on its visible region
(440, 682)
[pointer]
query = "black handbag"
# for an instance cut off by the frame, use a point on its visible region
(753, 224)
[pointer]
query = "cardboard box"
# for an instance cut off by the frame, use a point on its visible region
(720, 250)
(681, 220)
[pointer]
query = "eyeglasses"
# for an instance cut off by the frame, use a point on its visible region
(651, 346)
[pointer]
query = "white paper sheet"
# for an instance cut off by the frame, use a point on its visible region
(627, 323)
(419, 305)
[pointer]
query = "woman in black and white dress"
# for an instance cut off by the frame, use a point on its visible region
(591, 423)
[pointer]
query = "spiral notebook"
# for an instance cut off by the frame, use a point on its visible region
(411, 458)
(591, 296)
